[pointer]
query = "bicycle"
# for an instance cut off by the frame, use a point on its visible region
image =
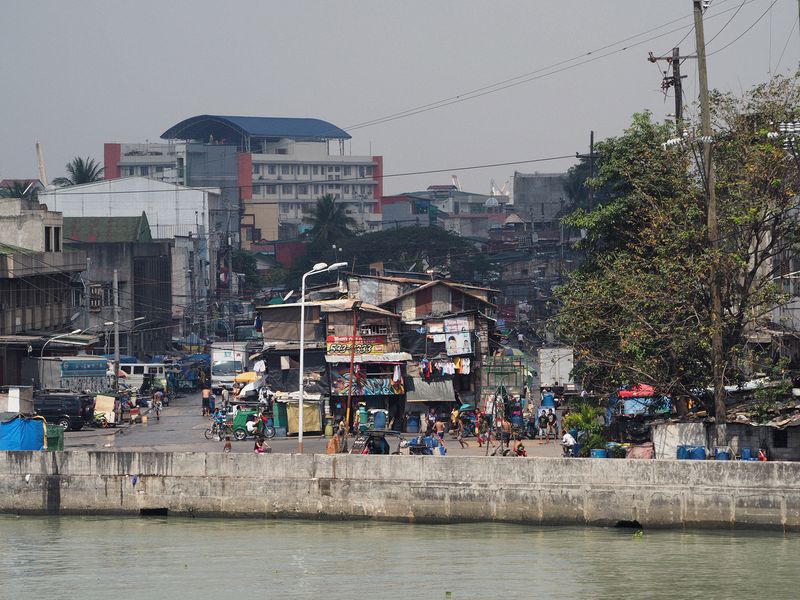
(218, 431)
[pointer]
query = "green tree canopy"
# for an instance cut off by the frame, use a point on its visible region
(330, 223)
(80, 170)
(637, 309)
(18, 189)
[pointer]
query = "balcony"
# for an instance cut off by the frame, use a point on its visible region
(15, 265)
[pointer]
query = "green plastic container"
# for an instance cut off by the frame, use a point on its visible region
(55, 438)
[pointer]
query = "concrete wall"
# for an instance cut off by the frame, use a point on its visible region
(407, 488)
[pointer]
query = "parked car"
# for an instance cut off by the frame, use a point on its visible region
(68, 409)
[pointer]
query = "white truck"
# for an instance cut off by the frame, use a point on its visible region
(228, 359)
(555, 369)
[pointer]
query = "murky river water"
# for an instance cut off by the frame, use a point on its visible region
(176, 559)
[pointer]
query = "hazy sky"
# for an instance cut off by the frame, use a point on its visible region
(79, 73)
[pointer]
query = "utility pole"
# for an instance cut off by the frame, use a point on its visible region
(116, 330)
(591, 169)
(674, 81)
(717, 358)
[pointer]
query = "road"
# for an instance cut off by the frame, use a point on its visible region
(181, 428)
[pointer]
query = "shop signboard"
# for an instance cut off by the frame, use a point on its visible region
(457, 325)
(458, 343)
(375, 344)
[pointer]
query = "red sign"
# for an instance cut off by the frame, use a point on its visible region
(374, 344)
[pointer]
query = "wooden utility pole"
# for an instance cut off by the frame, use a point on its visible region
(717, 358)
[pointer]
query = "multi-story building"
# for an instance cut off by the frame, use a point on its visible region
(271, 170)
(540, 198)
(39, 287)
(465, 213)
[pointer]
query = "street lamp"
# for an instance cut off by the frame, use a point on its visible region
(76, 332)
(317, 268)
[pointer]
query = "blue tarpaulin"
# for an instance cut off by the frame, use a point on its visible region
(22, 434)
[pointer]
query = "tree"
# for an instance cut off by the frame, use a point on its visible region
(637, 310)
(330, 223)
(80, 171)
(19, 189)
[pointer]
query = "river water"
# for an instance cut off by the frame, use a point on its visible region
(176, 559)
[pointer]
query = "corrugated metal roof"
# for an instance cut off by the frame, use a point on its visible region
(203, 127)
(107, 230)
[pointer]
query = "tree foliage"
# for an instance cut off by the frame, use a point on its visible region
(330, 223)
(80, 170)
(19, 189)
(637, 310)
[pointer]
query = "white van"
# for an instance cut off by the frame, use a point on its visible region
(135, 372)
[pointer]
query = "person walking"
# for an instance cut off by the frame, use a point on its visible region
(206, 394)
(552, 427)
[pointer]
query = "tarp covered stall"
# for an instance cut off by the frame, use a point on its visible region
(312, 414)
(419, 390)
(105, 405)
(23, 434)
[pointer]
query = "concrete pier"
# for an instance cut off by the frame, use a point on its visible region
(604, 492)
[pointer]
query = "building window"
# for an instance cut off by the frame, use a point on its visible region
(368, 171)
(56, 239)
(144, 171)
(271, 190)
(256, 169)
(95, 297)
(284, 207)
(48, 237)
(271, 169)
(374, 329)
(305, 169)
(316, 190)
(346, 171)
(346, 189)
(258, 190)
(302, 190)
(315, 169)
(287, 189)
(284, 169)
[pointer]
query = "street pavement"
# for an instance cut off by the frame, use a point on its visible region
(181, 428)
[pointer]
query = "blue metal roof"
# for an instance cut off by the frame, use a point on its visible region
(203, 127)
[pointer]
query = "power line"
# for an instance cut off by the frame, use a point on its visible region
(741, 35)
(786, 45)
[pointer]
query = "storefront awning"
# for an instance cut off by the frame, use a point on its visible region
(389, 357)
(419, 390)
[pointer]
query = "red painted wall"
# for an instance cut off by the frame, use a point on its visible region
(287, 253)
(111, 155)
(377, 175)
(424, 300)
(244, 177)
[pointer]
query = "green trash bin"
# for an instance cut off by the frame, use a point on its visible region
(55, 438)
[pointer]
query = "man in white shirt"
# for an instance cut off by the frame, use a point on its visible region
(568, 442)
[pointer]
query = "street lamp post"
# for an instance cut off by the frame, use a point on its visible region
(317, 268)
(55, 337)
(116, 344)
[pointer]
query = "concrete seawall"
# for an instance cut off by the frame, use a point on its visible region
(408, 488)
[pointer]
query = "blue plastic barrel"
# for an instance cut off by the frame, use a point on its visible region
(697, 453)
(722, 454)
(598, 453)
(683, 452)
(412, 426)
(746, 454)
(379, 420)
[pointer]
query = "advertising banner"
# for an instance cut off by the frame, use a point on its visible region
(375, 344)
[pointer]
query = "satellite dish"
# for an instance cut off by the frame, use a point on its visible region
(491, 202)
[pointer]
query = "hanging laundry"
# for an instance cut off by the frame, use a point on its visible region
(396, 375)
(465, 366)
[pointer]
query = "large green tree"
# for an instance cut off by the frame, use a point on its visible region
(637, 310)
(80, 170)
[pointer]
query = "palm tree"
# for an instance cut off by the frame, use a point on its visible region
(80, 171)
(19, 188)
(329, 221)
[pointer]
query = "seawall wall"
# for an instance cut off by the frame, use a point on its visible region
(604, 492)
